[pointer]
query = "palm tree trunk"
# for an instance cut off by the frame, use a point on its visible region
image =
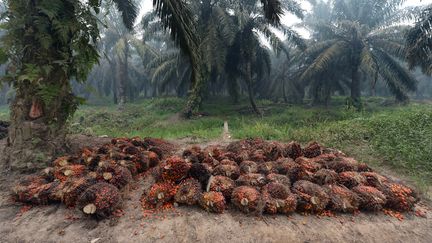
(355, 89)
(38, 128)
(285, 97)
(199, 78)
(249, 82)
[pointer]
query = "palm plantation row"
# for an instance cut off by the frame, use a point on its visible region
(197, 48)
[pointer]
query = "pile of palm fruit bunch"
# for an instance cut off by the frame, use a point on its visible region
(256, 176)
(3, 129)
(96, 180)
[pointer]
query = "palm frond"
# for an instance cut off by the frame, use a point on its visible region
(129, 11)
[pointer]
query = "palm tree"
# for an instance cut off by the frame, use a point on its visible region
(248, 59)
(364, 35)
(48, 42)
(419, 42)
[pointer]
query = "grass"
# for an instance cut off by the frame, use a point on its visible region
(399, 137)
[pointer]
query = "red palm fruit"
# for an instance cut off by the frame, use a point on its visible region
(63, 173)
(308, 164)
(161, 147)
(374, 180)
(200, 172)
(282, 165)
(228, 162)
(278, 199)
(131, 166)
(313, 150)
(342, 164)
(297, 172)
(312, 197)
(248, 200)
(231, 171)
(325, 176)
(241, 156)
(131, 150)
(189, 191)
(400, 197)
(32, 189)
(152, 157)
(222, 184)
(194, 154)
(100, 200)
(273, 151)
(238, 146)
(248, 166)
(211, 162)
(138, 142)
(161, 193)
(370, 198)
(251, 180)
(48, 174)
(277, 178)
(342, 199)
(228, 156)
(175, 169)
(258, 156)
(267, 168)
(118, 176)
(72, 189)
(213, 202)
(351, 179)
(323, 159)
(363, 167)
(292, 150)
(213, 152)
(62, 161)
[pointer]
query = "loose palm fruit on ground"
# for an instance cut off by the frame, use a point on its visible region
(400, 197)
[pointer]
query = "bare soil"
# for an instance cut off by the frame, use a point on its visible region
(55, 223)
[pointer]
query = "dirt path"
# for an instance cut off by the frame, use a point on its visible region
(56, 223)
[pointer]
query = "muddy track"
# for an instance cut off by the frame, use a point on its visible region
(56, 223)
